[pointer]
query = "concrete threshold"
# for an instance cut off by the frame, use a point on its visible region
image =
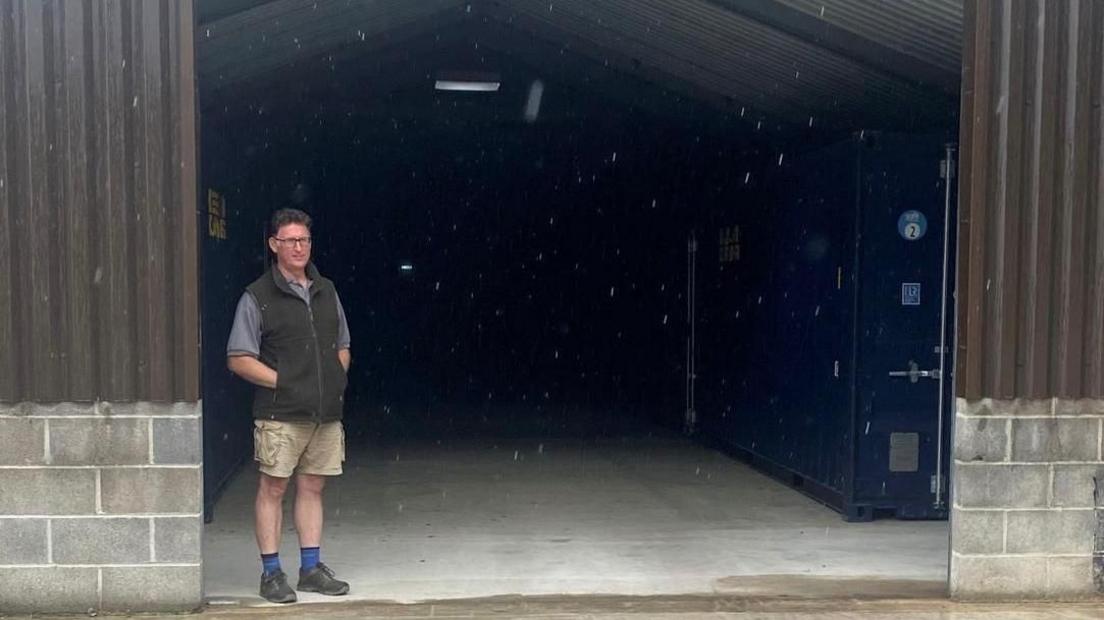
(764, 596)
(750, 597)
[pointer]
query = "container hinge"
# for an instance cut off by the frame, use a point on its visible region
(945, 170)
(938, 482)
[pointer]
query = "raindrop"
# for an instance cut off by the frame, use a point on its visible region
(135, 102)
(208, 33)
(780, 156)
(747, 177)
(611, 291)
(615, 157)
(664, 319)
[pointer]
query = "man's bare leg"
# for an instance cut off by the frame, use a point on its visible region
(269, 512)
(308, 521)
(308, 509)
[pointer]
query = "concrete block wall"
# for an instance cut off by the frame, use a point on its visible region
(100, 507)
(1027, 496)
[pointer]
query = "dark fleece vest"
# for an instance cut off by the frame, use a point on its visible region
(300, 343)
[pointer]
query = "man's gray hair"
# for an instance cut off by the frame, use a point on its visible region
(283, 217)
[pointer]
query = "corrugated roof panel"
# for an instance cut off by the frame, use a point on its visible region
(723, 52)
(930, 30)
(273, 35)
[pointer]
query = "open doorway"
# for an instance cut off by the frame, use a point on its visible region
(625, 284)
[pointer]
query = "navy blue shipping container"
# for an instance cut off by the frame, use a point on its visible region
(232, 227)
(825, 312)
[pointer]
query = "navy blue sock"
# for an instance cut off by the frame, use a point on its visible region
(309, 557)
(271, 562)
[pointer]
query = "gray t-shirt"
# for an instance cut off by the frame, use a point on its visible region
(245, 335)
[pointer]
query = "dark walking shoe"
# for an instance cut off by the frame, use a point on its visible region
(275, 588)
(320, 579)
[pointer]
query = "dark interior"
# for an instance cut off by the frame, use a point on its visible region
(506, 273)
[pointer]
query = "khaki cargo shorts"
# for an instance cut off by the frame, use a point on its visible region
(283, 448)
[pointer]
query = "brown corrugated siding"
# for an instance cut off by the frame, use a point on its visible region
(1031, 270)
(98, 264)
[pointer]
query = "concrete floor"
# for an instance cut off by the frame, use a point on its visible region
(656, 608)
(640, 516)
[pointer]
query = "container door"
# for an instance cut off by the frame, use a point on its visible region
(903, 343)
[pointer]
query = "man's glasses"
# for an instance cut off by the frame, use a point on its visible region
(294, 241)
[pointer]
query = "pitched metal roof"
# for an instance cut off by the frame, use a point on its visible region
(796, 60)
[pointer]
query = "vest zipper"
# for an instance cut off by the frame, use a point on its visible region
(277, 369)
(317, 360)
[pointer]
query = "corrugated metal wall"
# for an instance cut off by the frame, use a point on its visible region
(1031, 317)
(98, 264)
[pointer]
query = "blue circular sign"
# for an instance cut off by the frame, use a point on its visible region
(912, 225)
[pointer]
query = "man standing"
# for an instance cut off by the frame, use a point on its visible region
(291, 340)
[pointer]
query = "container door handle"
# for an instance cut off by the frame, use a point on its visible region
(914, 373)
